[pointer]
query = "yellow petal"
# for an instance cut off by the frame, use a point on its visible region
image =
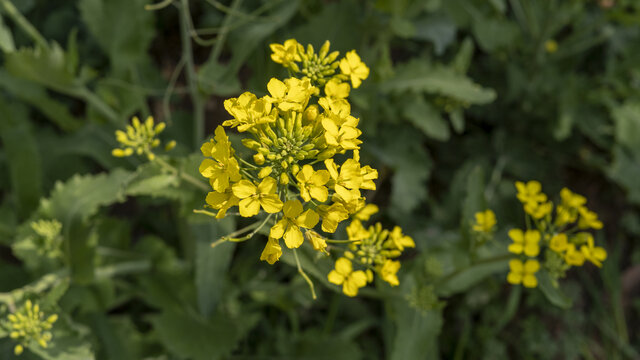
(335, 278)
(292, 208)
(343, 266)
(277, 230)
(244, 188)
(276, 88)
(308, 219)
(531, 266)
(516, 235)
(249, 207)
(514, 278)
(293, 237)
(271, 203)
(530, 281)
(268, 185)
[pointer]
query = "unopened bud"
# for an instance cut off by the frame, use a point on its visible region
(266, 171)
(258, 159)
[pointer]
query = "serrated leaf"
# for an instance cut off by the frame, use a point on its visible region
(420, 76)
(551, 291)
(22, 157)
(426, 118)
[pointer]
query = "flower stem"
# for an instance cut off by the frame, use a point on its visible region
(304, 275)
(24, 24)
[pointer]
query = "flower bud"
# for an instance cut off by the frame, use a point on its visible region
(311, 113)
(258, 159)
(284, 179)
(266, 171)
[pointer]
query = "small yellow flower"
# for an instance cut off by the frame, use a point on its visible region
(344, 275)
(292, 94)
(572, 200)
(312, 183)
(348, 178)
(336, 89)
(248, 111)
(538, 211)
(28, 325)
(222, 201)
(399, 241)
(318, 242)
(331, 216)
(551, 46)
(223, 168)
(253, 197)
(286, 54)
(588, 219)
(573, 257)
(595, 254)
(289, 226)
(352, 66)
(365, 212)
(388, 272)
(530, 192)
(527, 242)
(559, 243)
(523, 273)
(355, 231)
(272, 251)
(485, 221)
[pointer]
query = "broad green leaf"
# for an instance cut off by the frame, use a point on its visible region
(212, 264)
(420, 76)
(6, 38)
(551, 290)
(426, 118)
(22, 157)
(123, 28)
(44, 66)
(438, 29)
(189, 337)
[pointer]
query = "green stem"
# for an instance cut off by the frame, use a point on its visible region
(304, 275)
(192, 80)
(186, 177)
(340, 241)
(217, 48)
(24, 24)
(158, 6)
(98, 104)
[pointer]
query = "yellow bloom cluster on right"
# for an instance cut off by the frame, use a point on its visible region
(565, 237)
(28, 326)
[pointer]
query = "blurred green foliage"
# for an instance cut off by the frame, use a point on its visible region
(464, 98)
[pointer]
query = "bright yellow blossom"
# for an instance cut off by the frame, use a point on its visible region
(253, 197)
(331, 216)
(527, 242)
(344, 275)
(286, 54)
(538, 211)
(595, 254)
(312, 183)
(530, 192)
(292, 94)
(272, 251)
(336, 89)
(399, 240)
(222, 201)
(352, 66)
(223, 168)
(365, 212)
(573, 257)
(559, 243)
(388, 272)
(523, 273)
(485, 221)
(318, 242)
(248, 111)
(289, 226)
(588, 219)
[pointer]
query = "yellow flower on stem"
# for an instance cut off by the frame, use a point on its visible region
(559, 243)
(588, 219)
(523, 273)
(571, 199)
(292, 94)
(365, 212)
(399, 241)
(595, 254)
(223, 168)
(388, 272)
(289, 226)
(538, 211)
(348, 178)
(318, 242)
(573, 257)
(336, 89)
(352, 66)
(527, 242)
(344, 136)
(221, 201)
(286, 54)
(485, 221)
(312, 183)
(272, 251)
(530, 192)
(253, 197)
(331, 216)
(355, 231)
(344, 275)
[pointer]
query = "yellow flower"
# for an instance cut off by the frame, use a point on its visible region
(399, 241)
(318, 242)
(336, 89)
(312, 183)
(344, 275)
(344, 136)
(530, 192)
(248, 111)
(526, 242)
(290, 224)
(252, 197)
(588, 219)
(331, 216)
(388, 272)
(272, 251)
(223, 168)
(538, 211)
(354, 67)
(523, 273)
(365, 212)
(573, 257)
(595, 254)
(551, 46)
(349, 177)
(286, 54)
(559, 243)
(572, 200)
(28, 325)
(565, 215)
(221, 201)
(355, 231)
(485, 221)
(292, 94)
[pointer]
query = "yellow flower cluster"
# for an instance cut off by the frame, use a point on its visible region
(305, 171)
(320, 68)
(374, 249)
(565, 236)
(28, 325)
(485, 222)
(140, 138)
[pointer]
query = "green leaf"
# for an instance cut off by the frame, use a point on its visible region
(627, 125)
(551, 290)
(438, 29)
(6, 38)
(212, 264)
(189, 337)
(625, 170)
(420, 76)
(426, 118)
(474, 200)
(494, 34)
(457, 120)
(464, 278)
(463, 58)
(22, 156)
(68, 343)
(37, 96)
(217, 79)
(123, 28)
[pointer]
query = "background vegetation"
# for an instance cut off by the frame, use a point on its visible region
(464, 98)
